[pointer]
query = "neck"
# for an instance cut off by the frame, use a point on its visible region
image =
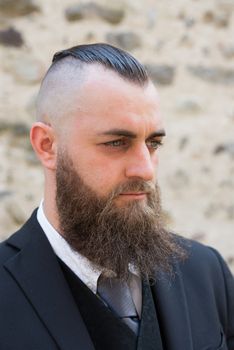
(49, 204)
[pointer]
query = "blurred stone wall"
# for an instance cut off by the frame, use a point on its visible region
(188, 47)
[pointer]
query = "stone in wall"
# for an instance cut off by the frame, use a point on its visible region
(225, 5)
(25, 69)
(221, 210)
(225, 148)
(161, 74)
(178, 180)
(188, 104)
(220, 19)
(198, 236)
(11, 37)
(227, 50)
(189, 21)
(208, 16)
(15, 211)
(31, 106)
(183, 143)
(186, 40)
(4, 194)
(17, 135)
(218, 75)
(126, 40)
(14, 8)
(85, 11)
(19, 129)
(230, 260)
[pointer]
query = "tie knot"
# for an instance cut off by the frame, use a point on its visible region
(116, 294)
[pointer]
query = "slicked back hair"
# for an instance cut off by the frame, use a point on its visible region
(108, 56)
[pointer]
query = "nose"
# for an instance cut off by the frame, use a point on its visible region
(141, 164)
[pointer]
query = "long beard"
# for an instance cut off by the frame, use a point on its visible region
(111, 236)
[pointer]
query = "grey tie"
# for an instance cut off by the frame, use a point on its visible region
(117, 296)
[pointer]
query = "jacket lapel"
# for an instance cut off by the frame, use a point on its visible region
(36, 270)
(171, 303)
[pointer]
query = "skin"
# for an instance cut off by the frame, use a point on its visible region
(112, 136)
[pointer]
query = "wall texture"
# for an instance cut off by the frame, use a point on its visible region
(189, 51)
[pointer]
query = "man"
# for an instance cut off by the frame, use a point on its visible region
(94, 266)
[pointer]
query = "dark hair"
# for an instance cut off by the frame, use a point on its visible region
(110, 57)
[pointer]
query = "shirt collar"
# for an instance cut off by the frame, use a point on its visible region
(81, 266)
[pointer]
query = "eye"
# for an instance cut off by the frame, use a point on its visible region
(116, 143)
(154, 144)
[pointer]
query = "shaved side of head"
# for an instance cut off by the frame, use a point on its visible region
(59, 93)
(58, 90)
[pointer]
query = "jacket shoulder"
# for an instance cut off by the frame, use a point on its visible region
(18, 239)
(202, 258)
(205, 272)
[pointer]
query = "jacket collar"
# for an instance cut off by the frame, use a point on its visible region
(36, 270)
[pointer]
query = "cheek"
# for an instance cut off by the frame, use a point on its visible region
(156, 164)
(100, 175)
(155, 160)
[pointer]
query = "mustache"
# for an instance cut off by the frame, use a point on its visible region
(134, 186)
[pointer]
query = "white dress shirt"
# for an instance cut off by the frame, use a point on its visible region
(81, 266)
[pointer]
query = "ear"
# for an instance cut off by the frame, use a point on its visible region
(44, 143)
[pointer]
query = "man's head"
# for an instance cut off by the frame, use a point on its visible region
(98, 133)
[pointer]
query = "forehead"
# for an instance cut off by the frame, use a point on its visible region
(106, 99)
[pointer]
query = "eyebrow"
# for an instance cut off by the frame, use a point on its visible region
(130, 134)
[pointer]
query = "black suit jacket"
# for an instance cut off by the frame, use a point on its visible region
(37, 310)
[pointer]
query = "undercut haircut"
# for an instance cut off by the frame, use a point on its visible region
(108, 56)
(68, 71)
